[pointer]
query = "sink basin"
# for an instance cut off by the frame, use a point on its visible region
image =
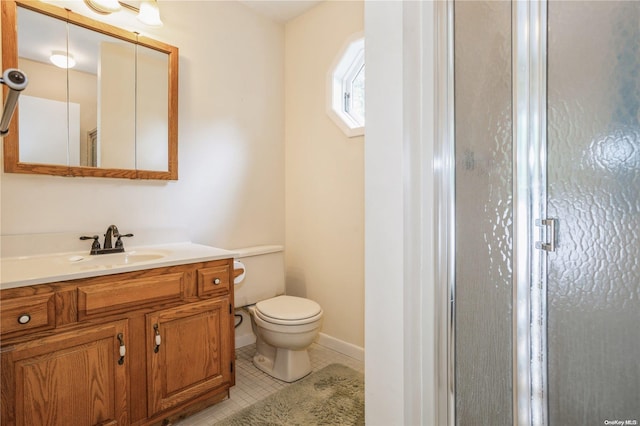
(70, 263)
(117, 259)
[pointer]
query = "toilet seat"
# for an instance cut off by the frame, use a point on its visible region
(288, 310)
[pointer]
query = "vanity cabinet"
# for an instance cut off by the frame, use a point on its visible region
(136, 348)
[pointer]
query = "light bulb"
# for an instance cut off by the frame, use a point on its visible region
(62, 59)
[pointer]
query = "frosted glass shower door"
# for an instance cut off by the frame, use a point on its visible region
(593, 189)
(483, 213)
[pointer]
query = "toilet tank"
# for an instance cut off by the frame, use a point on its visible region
(264, 274)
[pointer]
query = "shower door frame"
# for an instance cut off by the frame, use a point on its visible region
(529, 346)
(529, 73)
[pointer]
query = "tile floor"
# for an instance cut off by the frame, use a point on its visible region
(252, 385)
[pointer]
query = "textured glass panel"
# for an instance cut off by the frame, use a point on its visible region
(483, 212)
(594, 190)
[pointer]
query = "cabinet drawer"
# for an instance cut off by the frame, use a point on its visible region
(118, 295)
(213, 281)
(29, 313)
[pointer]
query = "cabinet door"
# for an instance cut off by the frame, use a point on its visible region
(73, 378)
(189, 352)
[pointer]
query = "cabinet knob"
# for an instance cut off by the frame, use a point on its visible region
(24, 318)
(216, 281)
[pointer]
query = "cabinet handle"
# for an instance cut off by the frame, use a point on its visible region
(123, 349)
(158, 339)
(24, 318)
(216, 281)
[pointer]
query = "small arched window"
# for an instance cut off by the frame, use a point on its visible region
(345, 103)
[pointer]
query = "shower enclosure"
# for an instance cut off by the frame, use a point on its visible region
(544, 254)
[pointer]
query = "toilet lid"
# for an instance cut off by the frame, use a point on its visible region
(288, 308)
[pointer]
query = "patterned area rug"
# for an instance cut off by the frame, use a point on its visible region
(331, 396)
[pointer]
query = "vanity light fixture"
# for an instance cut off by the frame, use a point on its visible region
(104, 7)
(62, 59)
(148, 14)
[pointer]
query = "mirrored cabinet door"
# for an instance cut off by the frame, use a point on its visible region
(44, 112)
(152, 92)
(104, 85)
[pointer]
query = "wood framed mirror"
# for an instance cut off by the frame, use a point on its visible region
(114, 113)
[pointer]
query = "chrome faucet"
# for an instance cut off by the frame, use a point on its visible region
(107, 247)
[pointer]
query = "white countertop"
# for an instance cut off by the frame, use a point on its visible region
(19, 271)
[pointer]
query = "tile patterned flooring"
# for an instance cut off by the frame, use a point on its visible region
(252, 385)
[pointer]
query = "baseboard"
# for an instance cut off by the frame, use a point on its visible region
(341, 346)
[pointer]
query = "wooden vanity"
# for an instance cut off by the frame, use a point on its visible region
(132, 348)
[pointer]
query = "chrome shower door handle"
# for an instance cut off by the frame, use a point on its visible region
(550, 223)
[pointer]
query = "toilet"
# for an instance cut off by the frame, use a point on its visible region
(285, 326)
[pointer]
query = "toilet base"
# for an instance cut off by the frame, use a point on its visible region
(287, 365)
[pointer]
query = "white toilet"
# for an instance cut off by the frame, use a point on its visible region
(285, 326)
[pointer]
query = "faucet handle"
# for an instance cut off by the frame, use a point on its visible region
(96, 244)
(119, 241)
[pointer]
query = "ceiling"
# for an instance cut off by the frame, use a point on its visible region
(280, 10)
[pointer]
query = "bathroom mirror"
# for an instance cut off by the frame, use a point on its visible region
(111, 113)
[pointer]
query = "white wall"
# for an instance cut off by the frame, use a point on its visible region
(399, 233)
(230, 191)
(324, 175)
